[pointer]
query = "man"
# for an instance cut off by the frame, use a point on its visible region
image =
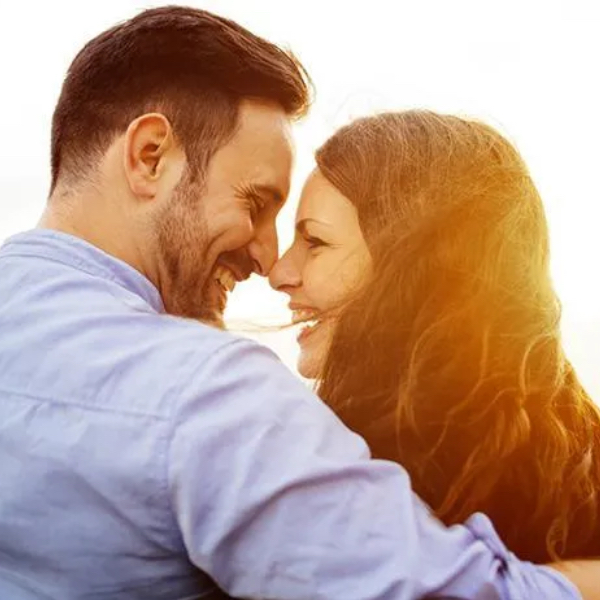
(144, 454)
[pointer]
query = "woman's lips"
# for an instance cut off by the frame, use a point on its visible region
(307, 331)
(307, 316)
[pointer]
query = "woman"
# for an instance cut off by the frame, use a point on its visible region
(421, 257)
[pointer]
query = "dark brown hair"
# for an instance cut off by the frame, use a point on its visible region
(449, 361)
(189, 64)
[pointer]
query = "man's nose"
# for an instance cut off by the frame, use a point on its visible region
(264, 250)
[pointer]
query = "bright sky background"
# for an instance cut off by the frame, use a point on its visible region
(530, 67)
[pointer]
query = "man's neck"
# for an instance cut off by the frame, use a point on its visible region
(90, 216)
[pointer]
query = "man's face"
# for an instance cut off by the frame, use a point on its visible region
(217, 231)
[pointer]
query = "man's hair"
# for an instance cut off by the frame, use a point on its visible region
(192, 66)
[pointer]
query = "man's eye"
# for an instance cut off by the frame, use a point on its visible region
(255, 205)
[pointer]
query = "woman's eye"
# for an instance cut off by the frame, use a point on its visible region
(314, 242)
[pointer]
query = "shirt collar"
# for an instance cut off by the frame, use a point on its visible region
(76, 252)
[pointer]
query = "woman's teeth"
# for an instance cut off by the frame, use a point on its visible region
(310, 321)
(225, 278)
(304, 316)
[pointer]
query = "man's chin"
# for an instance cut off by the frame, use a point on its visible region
(215, 307)
(215, 320)
(209, 315)
(208, 306)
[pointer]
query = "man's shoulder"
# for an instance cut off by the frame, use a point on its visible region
(195, 341)
(180, 360)
(206, 351)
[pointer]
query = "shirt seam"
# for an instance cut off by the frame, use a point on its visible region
(98, 409)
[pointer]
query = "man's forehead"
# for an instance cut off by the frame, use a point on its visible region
(261, 114)
(266, 149)
(260, 153)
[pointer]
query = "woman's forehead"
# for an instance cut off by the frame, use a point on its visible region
(322, 201)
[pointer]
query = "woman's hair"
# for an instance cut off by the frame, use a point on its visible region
(449, 359)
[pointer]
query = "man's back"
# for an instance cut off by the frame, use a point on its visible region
(86, 402)
(138, 451)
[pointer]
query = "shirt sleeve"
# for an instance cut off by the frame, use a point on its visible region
(276, 499)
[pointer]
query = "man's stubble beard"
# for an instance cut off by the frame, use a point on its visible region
(182, 242)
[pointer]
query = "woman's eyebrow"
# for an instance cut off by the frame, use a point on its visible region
(301, 225)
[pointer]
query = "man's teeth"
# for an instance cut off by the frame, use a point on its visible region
(225, 278)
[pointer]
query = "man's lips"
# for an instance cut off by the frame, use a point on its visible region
(228, 275)
(238, 262)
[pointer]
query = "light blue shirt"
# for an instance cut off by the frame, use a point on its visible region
(139, 451)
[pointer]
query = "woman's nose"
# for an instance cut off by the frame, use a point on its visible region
(285, 275)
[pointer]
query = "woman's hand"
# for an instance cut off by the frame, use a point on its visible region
(584, 574)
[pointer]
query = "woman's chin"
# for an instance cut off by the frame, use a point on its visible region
(313, 350)
(308, 366)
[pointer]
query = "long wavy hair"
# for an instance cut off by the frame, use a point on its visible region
(449, 359)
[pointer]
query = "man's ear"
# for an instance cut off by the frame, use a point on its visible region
(149, 148)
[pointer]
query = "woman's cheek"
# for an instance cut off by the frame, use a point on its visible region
(333, 288)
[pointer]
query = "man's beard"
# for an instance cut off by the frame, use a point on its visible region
(186, 286)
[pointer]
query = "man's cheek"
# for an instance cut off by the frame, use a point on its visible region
(238, 235)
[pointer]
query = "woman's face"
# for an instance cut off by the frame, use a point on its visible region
(327, 260)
